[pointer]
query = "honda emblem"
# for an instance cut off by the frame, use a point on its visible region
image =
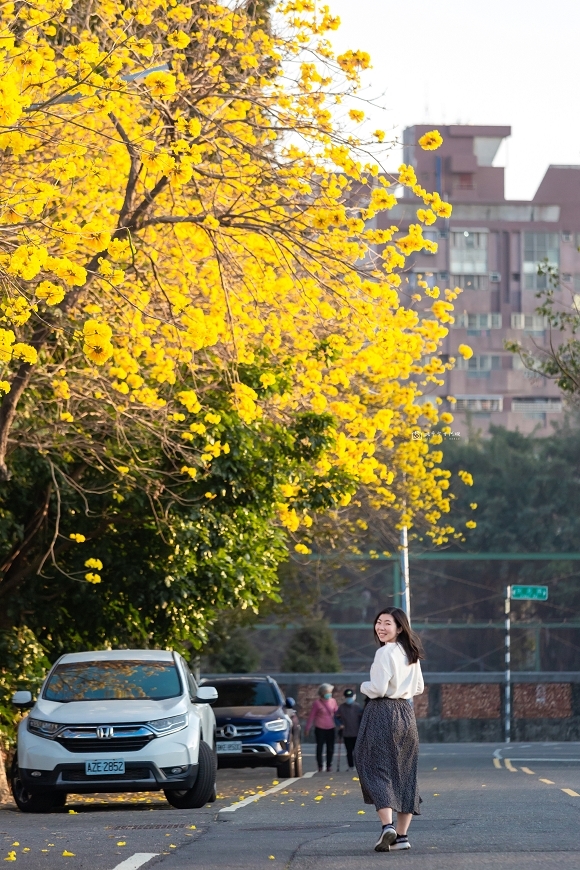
(105, 732)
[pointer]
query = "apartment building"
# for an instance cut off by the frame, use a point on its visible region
(491, 248)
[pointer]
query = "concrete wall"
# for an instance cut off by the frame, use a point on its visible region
(463, 707)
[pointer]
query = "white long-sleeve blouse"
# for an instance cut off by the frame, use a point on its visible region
(392, 676)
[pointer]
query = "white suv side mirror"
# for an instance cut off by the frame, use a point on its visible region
(22, 699)
(206, 695)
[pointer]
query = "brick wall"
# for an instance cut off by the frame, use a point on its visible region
(465, 701)
(421, 703)
(542, 701)
(469, 707)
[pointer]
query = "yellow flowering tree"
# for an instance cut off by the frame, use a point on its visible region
(187, 226)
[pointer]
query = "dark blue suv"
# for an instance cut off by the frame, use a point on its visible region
(256, 725)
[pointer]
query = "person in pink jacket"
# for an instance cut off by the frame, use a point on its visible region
(322, 716)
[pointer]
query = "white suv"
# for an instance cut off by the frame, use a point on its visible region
(116, 721)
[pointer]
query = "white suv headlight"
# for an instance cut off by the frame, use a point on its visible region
(167, 726)
(276, 725)
(42, 728)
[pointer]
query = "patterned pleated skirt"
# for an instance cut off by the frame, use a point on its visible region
(386, 755)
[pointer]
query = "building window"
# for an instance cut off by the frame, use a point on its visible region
(432, 235)
(529, 322)
(468, 253)
(536, 405)
(428, 277)
(478, 403)
(477, 321)
(539, 248)
(479, 365)
(465, 181)
(470, 282)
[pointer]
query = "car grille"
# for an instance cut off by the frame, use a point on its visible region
(80, 776)
(241, 731)
(120, 744)
(123, 738)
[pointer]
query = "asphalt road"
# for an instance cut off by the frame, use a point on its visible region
(485, 807)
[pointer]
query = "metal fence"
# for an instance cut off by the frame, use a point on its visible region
(457, 607)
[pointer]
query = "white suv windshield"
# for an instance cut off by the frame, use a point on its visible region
(113, 681)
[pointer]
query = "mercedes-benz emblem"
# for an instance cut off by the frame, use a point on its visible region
(105, 732)
(230, 731)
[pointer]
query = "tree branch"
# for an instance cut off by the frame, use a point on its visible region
(133, 169)
(29, 533)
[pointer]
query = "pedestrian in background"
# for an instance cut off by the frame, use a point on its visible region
(387, 748)
(349, 716)
(322, 716)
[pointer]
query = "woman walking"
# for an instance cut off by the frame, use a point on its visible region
(349, 716)
(322, 715)
(387, 746)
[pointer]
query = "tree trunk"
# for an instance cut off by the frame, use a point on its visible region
(5, 793)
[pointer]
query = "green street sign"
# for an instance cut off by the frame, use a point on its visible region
(529, 593)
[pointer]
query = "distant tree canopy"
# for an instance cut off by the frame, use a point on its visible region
(312, 648)
(235, 655)
(527, 490)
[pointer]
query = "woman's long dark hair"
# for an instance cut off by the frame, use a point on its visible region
(410, 641)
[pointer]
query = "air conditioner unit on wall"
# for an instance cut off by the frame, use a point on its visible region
(494, 277)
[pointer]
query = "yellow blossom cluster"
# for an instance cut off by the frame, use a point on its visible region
(179, 216)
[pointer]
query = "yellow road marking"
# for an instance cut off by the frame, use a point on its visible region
(570, 792)
(547, 781)
(527, 770)
(509, 765)
(497, 763)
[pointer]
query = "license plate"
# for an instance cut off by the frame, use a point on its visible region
(229, 746)
(104, 766)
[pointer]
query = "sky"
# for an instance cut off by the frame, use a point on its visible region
(508, 62)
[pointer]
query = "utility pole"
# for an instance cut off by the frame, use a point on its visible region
(508, 671)
(405, 587)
